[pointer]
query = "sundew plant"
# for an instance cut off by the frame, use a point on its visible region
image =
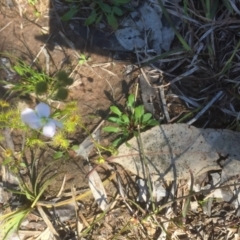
(39, 128)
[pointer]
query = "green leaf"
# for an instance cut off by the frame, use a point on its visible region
(125, 118)
(131, 100)
(120, 1)
(22, 164)
(112, 21)
(228, 5)
(69, 81)
(62, 94)
(66, 82)
(62, 76)
(152, 122)
(19, 70)
(115, 120)
(99, 18)
(125, 132)
(6, 161)
(41, 87)
(57, 155)
(75, 147)
(117, 142)
(83, 59)
(105, 7)
(116, 110)
(117, 11)
(146, 117)
(91, 19)
(68, 16)
(139, 111)
(57, 114)
(111, 129)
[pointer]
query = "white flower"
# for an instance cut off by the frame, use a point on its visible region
(40, 119)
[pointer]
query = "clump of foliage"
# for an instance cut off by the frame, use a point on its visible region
(129, 121)
(111, 10)
(44, 86)
(32, 188)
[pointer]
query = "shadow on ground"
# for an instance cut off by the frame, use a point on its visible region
(85, 39)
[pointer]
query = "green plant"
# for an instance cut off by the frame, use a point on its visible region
(83, 59)
(9, 116)
(32, 186)
(39, 83)
(129, 121)
(32, 189)
(55, 124)
(32, 2)
(111, 9)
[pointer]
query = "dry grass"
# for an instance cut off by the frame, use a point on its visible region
(211, 67)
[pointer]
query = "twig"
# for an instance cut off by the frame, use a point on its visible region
(79, 197)
(78, 223)
(109, 72)
(45, 44)
(122, 193)
(62, 187)
(205, 108)
(47, 221)
(5, 26)
(47, 60)
(164, 103)
(189, 72)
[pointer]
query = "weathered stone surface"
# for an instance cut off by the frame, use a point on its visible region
(172, 151)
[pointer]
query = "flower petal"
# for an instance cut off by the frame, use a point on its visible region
(30, 117)
(43, 110)
(57, 123)
(49, 129)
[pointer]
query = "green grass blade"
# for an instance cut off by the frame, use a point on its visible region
(10, 222)
(42, 189)
(228, 5)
